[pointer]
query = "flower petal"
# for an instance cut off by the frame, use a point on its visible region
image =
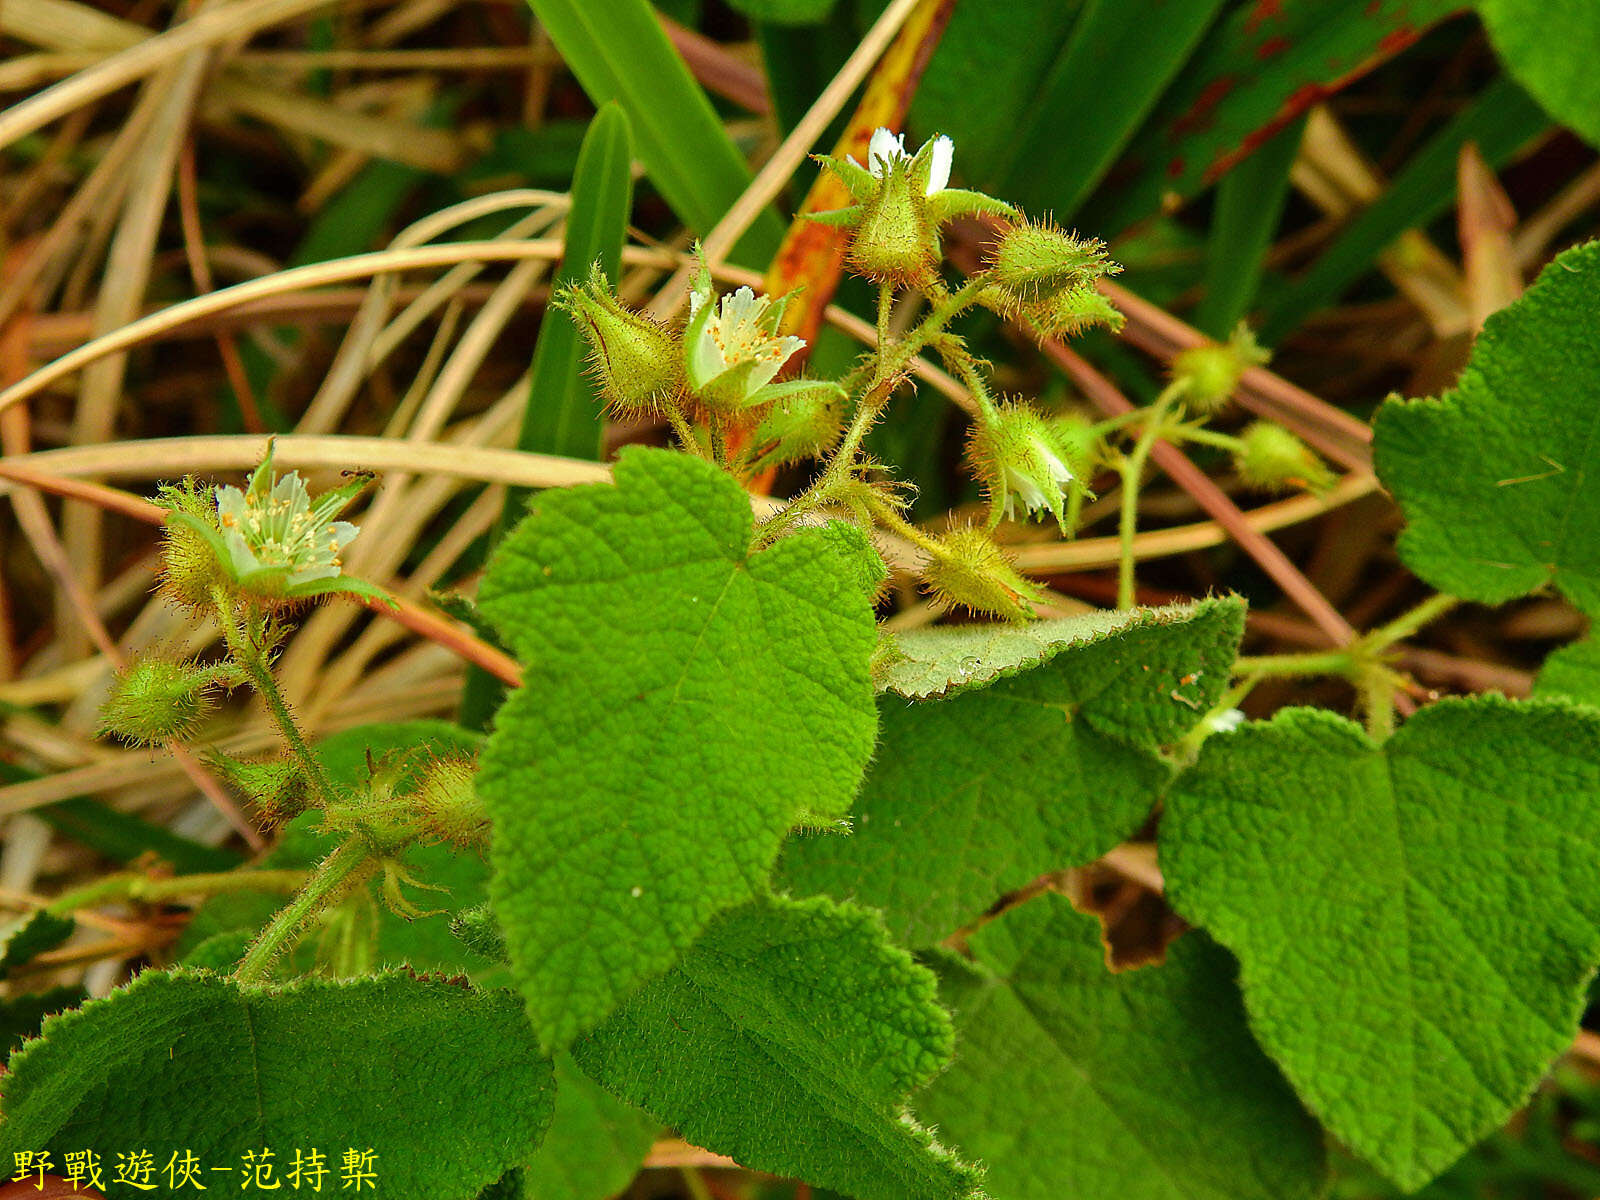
(939, 171)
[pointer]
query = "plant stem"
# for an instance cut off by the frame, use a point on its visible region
(1332, 662)
(885, 308)
(886, 375)
(1408, 623)
(149, 890)
(685, 434)
(334, 878)
(1131, 468)
(253, 663)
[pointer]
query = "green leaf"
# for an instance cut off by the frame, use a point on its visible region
(1244, 224)
(619, 52)
(1415, 922)
(21, 1016)
(785, 12)
(1550, 48)
(441, 1081)
(1500, 478)
(985, 75)
(1090, 87)
(788, 1038)
(1048, 764)
(683, 700)
(594, 1145)
(564, 410)
(947, 659)
(1070, 1080)
(1572, 671)
(30, 936)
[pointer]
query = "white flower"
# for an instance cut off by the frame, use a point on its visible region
(281, 528)
(734, 347)
(886, 150)
(1037, 479)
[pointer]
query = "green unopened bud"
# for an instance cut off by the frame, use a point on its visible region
(1211, 373)
(447, 804)
(1272, 458)
(1033, 260)
(968, 570)
(805, 423)
(478, 930)
(189, 567)
(275, 786)
(154, 701)
(1016, 454)
(1062, 314)
(636, 363)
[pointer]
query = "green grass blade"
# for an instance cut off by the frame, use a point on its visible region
(1250, 202)
(1091, 96)
(618, 52)
(564, 412)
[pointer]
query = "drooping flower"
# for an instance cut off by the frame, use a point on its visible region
(901, 201)
(1021, 463)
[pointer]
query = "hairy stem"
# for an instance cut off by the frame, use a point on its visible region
(347, 868)
(148, 890)
(1131, 469)
(252, 661)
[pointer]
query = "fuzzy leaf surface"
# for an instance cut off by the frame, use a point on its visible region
(1500, 478)
(684, 699)
(1415, 921)
(1572, 671)
(1070, 1080)
(1550, 46)
(788, 1039)
(1047, 762)
(594, 1145)
(441, 1081)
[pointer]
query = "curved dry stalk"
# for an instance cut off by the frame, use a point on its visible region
(1056, 557)
(772, 177)
(210, 28)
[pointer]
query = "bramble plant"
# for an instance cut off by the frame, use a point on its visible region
(736, 860)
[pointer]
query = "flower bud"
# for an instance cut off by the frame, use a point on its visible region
(1019, 459)
(1062, 314)
(636, 363)
(478, 930)
(902, 200)
(1272, 458)
(154, 701)
(806, 423)
(1211, 373)
(968, 570)
(189, 567)
(275, 786)
(447, 804)
(1033, 260)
